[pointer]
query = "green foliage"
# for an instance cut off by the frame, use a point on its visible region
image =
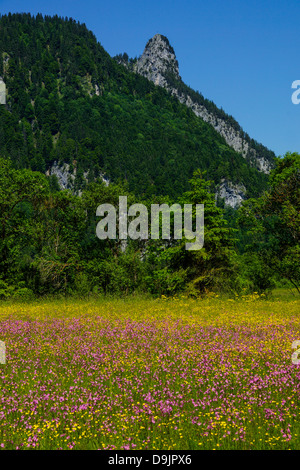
(201, 270)
(18, 292)
(255, 275)
(273, 221)
(48, 242)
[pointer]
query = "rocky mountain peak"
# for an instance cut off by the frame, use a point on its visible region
(158, 60)
(158, 63)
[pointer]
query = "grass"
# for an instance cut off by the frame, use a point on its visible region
(140, 373)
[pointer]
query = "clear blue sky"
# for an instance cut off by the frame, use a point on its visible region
(243, 55)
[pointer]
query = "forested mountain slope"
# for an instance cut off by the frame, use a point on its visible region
(69, 102)
(158, 63)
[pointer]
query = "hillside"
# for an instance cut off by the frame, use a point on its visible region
(158, 63)
(73, 111)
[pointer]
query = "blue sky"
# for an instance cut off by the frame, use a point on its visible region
(243, 55)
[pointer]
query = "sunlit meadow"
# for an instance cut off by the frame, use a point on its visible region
(150, 374)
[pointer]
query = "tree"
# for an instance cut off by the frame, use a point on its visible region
(273, 221)
(205, 269)
(17, 186)
(21, 194)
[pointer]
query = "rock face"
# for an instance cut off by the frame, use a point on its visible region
(2, 91)
(66, 178)
(233, 194)
(157, 63)
(157, 60)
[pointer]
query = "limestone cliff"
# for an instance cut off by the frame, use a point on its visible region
(66, 177)
(233, 194)
(157, 61)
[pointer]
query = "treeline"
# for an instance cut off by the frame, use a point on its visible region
(48, 241)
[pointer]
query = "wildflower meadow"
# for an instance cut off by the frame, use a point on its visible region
(162, 374)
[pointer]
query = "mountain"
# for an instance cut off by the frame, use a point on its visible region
(76, 114)
(158, 63)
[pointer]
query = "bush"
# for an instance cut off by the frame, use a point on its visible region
(18, 292)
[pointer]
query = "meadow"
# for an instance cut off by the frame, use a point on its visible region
(151, 374)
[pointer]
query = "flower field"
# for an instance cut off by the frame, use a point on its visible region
(150, 374)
